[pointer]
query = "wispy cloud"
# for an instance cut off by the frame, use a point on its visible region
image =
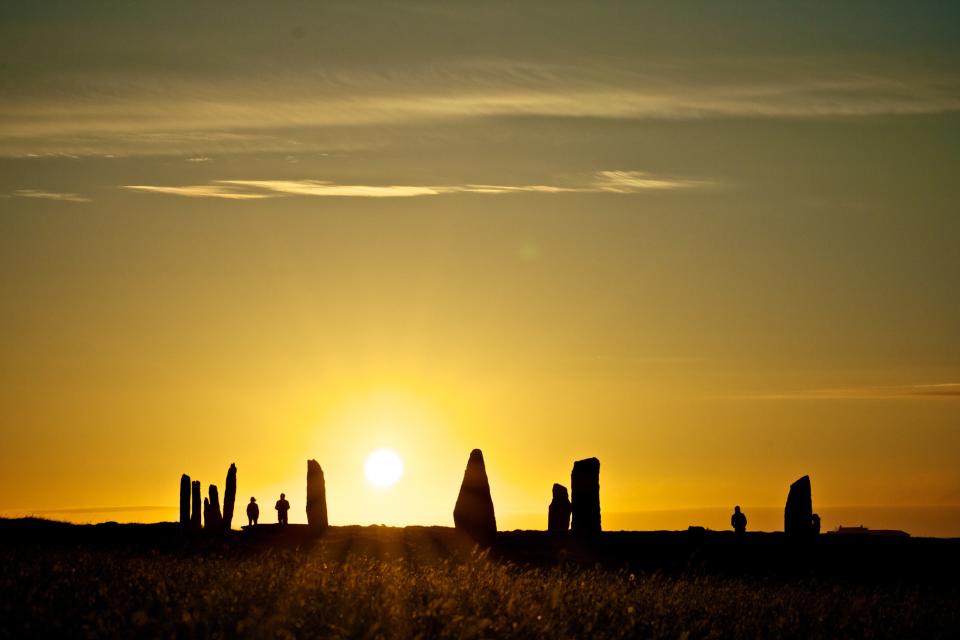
(633, 181)
(273, 188)
(946, 390)
(50, 195)
(325, 188)
(200, 191)
(601, 182)
(204, 116)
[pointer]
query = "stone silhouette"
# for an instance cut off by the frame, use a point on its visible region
(184, 500)
(316, 497)
(558, 515)
(585, 489)
(815, 524)
(213, 520)
(253, 512)
(195, 515)
(229, 496)
(798, 514)
(738, 520)
(282, 508)
(473, 512)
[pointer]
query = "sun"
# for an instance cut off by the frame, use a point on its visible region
(383, 468)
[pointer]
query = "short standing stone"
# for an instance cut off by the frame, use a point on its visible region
(473, 512)
(798, 514)
(558, 517)
(585, 489)
(184, 500)
(214, 520)
(196, 514)
(229, 496)
(316, 497)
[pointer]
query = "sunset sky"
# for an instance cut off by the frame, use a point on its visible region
(716, 245)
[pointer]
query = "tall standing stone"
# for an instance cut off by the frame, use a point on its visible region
(316, 497)
(558, 516)
(473, 512)
(213, 519)
(585, 487)
(798, 514)
(195, 515)
(229, 496)
(184, 500)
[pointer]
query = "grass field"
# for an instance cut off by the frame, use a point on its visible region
(396, 583)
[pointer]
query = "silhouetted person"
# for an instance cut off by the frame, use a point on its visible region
(253, 512)
(282, 507)
(738, 521)
(815, 524)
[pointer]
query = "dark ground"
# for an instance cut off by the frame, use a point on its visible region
(113, 580)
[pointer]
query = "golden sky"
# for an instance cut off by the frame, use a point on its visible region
(714, 246)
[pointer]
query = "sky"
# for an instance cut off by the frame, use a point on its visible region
(713, 244)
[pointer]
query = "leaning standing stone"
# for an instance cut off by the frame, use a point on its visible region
(229, 496)
(316, 497)
(798, 514)
(558, 516)
(585, 487)
(184, 500)
(196, 519)
(473, 512)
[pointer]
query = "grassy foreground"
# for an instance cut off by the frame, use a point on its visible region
(325, 590)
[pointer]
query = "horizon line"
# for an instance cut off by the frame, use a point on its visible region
(175, 507)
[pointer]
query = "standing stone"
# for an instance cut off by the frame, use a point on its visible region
(798, 514)
(213, 519)
(585, 487)
(473, 512)
(316, 497)
(229, 496)
(558, 516)
(206, 513)
(195, 515)
(184, 500)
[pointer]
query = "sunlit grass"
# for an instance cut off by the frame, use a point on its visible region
(293, 593)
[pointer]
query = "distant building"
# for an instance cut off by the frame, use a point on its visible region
(864, 531)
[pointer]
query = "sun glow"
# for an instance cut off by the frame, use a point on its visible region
(384, 468)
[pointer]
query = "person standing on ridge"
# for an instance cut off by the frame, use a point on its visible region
(738, 520)
(253, 512)
(282, 507)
